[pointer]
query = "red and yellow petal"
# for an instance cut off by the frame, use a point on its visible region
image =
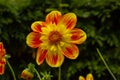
(71, 51)
(53, 17)
(54, 59)
(1, 46)
(36, 26)
(2, 51)
(2, 66)
(69, 20)
(78, 36)
(33, 39)
(41, 54)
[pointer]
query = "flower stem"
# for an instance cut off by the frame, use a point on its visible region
(37, 74)
(11, 70)
(59, 74)
(106, 64)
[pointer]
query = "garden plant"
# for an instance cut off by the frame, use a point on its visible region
(59, 39)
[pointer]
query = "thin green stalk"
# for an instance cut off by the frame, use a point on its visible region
(37, 74)
(11, 70)
(59, 74)
(106, 64)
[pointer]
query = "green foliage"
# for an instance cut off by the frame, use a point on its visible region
(100, 19)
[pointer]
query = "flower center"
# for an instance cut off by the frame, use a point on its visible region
(54, 37)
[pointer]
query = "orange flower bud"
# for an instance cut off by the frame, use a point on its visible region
(26, 74)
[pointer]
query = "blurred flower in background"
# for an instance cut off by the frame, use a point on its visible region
(2, 58)
(88, 77)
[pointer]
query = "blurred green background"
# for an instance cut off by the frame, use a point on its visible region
(100, 19)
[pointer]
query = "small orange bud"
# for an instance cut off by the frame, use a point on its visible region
(26, 74)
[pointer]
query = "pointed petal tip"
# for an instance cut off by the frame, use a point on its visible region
(33, 39)
(53, 17)
(78, 36)
(71, 51)
(41, 55)
(2, 68)
(54, 59)
(37, 25)
(69, 20)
